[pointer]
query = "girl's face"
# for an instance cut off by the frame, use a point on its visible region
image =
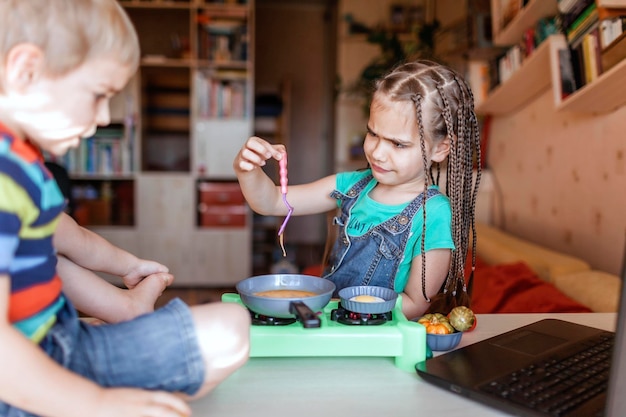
(58, 112)
(392, 145)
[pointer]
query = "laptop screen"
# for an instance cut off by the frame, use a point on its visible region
(616, 400)
(475, 370)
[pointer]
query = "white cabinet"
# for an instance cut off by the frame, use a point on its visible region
(216, 143)
(165, 222)
(221, 257)
(165, 202)
(185, 115)
(173, 249)
(168, 233)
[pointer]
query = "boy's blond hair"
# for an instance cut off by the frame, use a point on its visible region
(69, 32)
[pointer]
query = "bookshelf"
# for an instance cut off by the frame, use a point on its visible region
(511, 33)
(540, 71)
(611, 4)
(186, 114)
(527, 82)
(606, 92)
(603, 95)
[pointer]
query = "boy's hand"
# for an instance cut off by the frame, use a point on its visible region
(128, 402)
(255, 152)
(142, 269)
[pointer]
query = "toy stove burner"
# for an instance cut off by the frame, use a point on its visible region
(261, 320)
(343, 316)
(334, 339)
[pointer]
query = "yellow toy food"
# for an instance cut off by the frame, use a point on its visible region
(364, 298)
(462, 318)
(436, 323)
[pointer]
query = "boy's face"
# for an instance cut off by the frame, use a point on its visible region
(62, 110)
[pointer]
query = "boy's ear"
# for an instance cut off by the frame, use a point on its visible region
(23, 66)
(441, 151)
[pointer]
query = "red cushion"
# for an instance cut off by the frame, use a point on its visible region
(515, 288)
(508, 288)
(314, 270)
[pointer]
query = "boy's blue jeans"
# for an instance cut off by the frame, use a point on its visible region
(156, 351)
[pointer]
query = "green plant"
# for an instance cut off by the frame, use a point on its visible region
(419, 44)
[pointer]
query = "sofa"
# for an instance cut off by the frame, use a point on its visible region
(515, 275)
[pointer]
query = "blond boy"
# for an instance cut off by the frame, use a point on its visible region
(62, 60)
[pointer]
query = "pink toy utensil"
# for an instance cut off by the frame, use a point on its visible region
(283, 189)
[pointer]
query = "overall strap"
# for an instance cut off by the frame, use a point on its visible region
(399, 223)
(354, 191)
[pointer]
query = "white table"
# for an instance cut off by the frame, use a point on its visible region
(359, 387)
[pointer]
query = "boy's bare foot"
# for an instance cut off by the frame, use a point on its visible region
(144, 295)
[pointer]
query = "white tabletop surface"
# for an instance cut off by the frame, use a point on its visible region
(347, 387)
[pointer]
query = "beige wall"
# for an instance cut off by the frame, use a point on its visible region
(562, 180)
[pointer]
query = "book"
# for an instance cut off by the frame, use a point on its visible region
(590, 56)
(578, 65)
(529, 41)
(571, 10)
(568, 80)
(581, 18)
(610, 29)
(563, 6)
(585, 24)
(614, 53)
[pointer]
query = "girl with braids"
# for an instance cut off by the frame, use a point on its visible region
(396, 227)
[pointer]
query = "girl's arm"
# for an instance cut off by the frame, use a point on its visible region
(264, 196)
(32, 381)
(437, 265)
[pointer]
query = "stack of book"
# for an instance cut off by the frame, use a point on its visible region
(589, 30)
(532, 37)
(613, 40)
(222, 94)
(107, 153)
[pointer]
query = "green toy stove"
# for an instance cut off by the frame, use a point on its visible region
(342, 333)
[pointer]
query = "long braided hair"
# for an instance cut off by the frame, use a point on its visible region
(444, 108)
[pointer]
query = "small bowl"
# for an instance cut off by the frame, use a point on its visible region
(389, 295)
(442, 342)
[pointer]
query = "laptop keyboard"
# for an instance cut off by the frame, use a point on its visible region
(558, 385)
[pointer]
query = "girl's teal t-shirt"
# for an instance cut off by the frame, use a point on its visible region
(367, 213)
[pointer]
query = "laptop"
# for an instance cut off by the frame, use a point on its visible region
(522, 371)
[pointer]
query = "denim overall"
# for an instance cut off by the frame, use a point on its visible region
(372, 258)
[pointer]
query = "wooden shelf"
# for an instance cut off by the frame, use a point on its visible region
(607, 92)
(603, 95)
(235, 10)
(155, 4)
(161, 61)
(226, 9)
(103, 177)
(541, 71)
(233, 65)
(525, 18)
(526, 83)
(615, 4)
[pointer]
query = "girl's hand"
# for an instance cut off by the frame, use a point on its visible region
(255, 152)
